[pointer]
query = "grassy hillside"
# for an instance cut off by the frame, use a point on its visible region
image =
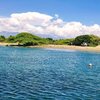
(28, 39)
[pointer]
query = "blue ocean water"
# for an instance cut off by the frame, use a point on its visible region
(48, 74)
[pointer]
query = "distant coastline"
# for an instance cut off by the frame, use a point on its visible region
(71, 47)
(80, 43)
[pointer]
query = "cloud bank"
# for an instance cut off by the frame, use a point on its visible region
(45, 25)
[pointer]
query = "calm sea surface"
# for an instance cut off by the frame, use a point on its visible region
(48, 74)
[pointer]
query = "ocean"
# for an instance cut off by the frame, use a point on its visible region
(48, 74)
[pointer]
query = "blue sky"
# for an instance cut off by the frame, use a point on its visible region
(84, 11)
(73, 17)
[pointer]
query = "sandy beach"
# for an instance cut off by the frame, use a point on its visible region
(8, 44)
(79, 48)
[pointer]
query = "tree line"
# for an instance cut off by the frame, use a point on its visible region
(28, 39)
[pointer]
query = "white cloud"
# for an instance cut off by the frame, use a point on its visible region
(45, 25)
(56, 16)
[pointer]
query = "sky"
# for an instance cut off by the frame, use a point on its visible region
(50, 18)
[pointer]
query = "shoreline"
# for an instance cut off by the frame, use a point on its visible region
(78, 48)
(67, 47)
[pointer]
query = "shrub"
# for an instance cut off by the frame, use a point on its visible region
(11, 39)
(91, 40)
(2, 38)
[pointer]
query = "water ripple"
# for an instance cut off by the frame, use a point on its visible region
(44, 74)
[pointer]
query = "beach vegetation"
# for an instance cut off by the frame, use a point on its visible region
(63, 41)
(2, 38)
(90, 40)
(28, 39)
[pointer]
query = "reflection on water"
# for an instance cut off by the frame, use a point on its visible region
(44, 74)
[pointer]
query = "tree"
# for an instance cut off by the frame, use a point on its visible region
(11, 38)
(91, 40)
(2, 38)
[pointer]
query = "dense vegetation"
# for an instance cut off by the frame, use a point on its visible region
(2, 38)
(27, 39)
(90, 40)
(64, 41)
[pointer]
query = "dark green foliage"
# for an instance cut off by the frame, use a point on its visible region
(11, 39)
(2, 38)
(91, 40)
(30, 43)
(50, 39)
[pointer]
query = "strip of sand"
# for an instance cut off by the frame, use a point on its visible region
(8, 44)
(79, 48)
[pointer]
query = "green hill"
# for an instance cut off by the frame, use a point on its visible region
(28, 39)
(90, 40)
